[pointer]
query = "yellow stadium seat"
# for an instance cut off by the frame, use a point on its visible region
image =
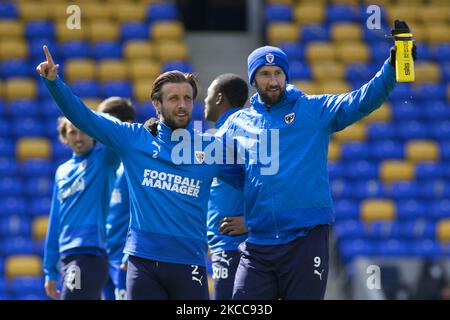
(419, 32)
(79, 69)
(443, 230)
(306, 2)
(23, 265)
(109, 70)
(30, 11)
(103, 31)
(351, 2)
(405, 12)
(138, 1)
(438, 3)
(422, 150)
(166, 30)
(353, 52)
(327, 71)
(11, 29)
(334, 87)
(426, 72)
(382, 114)
(141, 90)
(378, 209)
(346, 31)
(58, 11)
(320, 52)
(355, 132)
(40, 227)
(92, 103)
(136, 49)
(279, 32)
(280, 1)
(334, 151)
(126, 12)
(436, 33)
(309, 13)
(436, 13)
(418, 3)
(395, 170)
(171, 50)
(145, 69)
(379, 2)
(64, 34)
(20, 88)
(97, 11)
(32, 148)
(308, 87)
(13, 49)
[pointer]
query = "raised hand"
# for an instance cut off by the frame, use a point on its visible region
(400, 27)
(48, 69)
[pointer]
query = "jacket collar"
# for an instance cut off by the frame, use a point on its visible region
(83, 156)
(225, 116)
(165, 132)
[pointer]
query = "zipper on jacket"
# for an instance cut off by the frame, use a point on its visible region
(272, 209)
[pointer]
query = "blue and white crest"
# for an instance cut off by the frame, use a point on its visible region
(270, 57)
(289, 118)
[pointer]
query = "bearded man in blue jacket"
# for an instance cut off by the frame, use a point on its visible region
(168, 193)
(288, 207)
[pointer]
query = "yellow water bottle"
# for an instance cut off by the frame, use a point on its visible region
(404, 62)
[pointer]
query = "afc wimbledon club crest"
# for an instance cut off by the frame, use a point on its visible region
(269, 57)
(289, 118)
(199, 156)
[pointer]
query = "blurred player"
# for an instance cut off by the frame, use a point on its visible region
(118, 218)
(167, 242)
(227, 94)
(76, 232)
(288, 212)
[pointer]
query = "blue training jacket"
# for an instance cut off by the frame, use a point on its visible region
(281, 207)
(168, 202)
(80, 203)
(224, 201)
(118, 218)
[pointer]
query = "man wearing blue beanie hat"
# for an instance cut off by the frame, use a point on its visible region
(288, 210)
(267, 56)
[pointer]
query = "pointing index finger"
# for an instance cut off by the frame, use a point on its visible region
(48, 56)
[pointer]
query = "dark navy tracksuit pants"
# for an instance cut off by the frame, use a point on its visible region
(115, 288)
(155, 280)
(296, 270)
(84, 276)
(224, 265)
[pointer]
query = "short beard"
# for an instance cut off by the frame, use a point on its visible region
(267, 99)
(168, 120)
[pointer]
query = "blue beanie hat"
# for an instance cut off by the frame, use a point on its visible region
(267, 56)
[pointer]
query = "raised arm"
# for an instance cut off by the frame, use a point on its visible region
(109, 131)
(339, 111)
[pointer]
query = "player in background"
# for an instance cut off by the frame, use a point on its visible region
(167, 242)
(76, 231)
(118, 218)
(227, 94)
(288, 211)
